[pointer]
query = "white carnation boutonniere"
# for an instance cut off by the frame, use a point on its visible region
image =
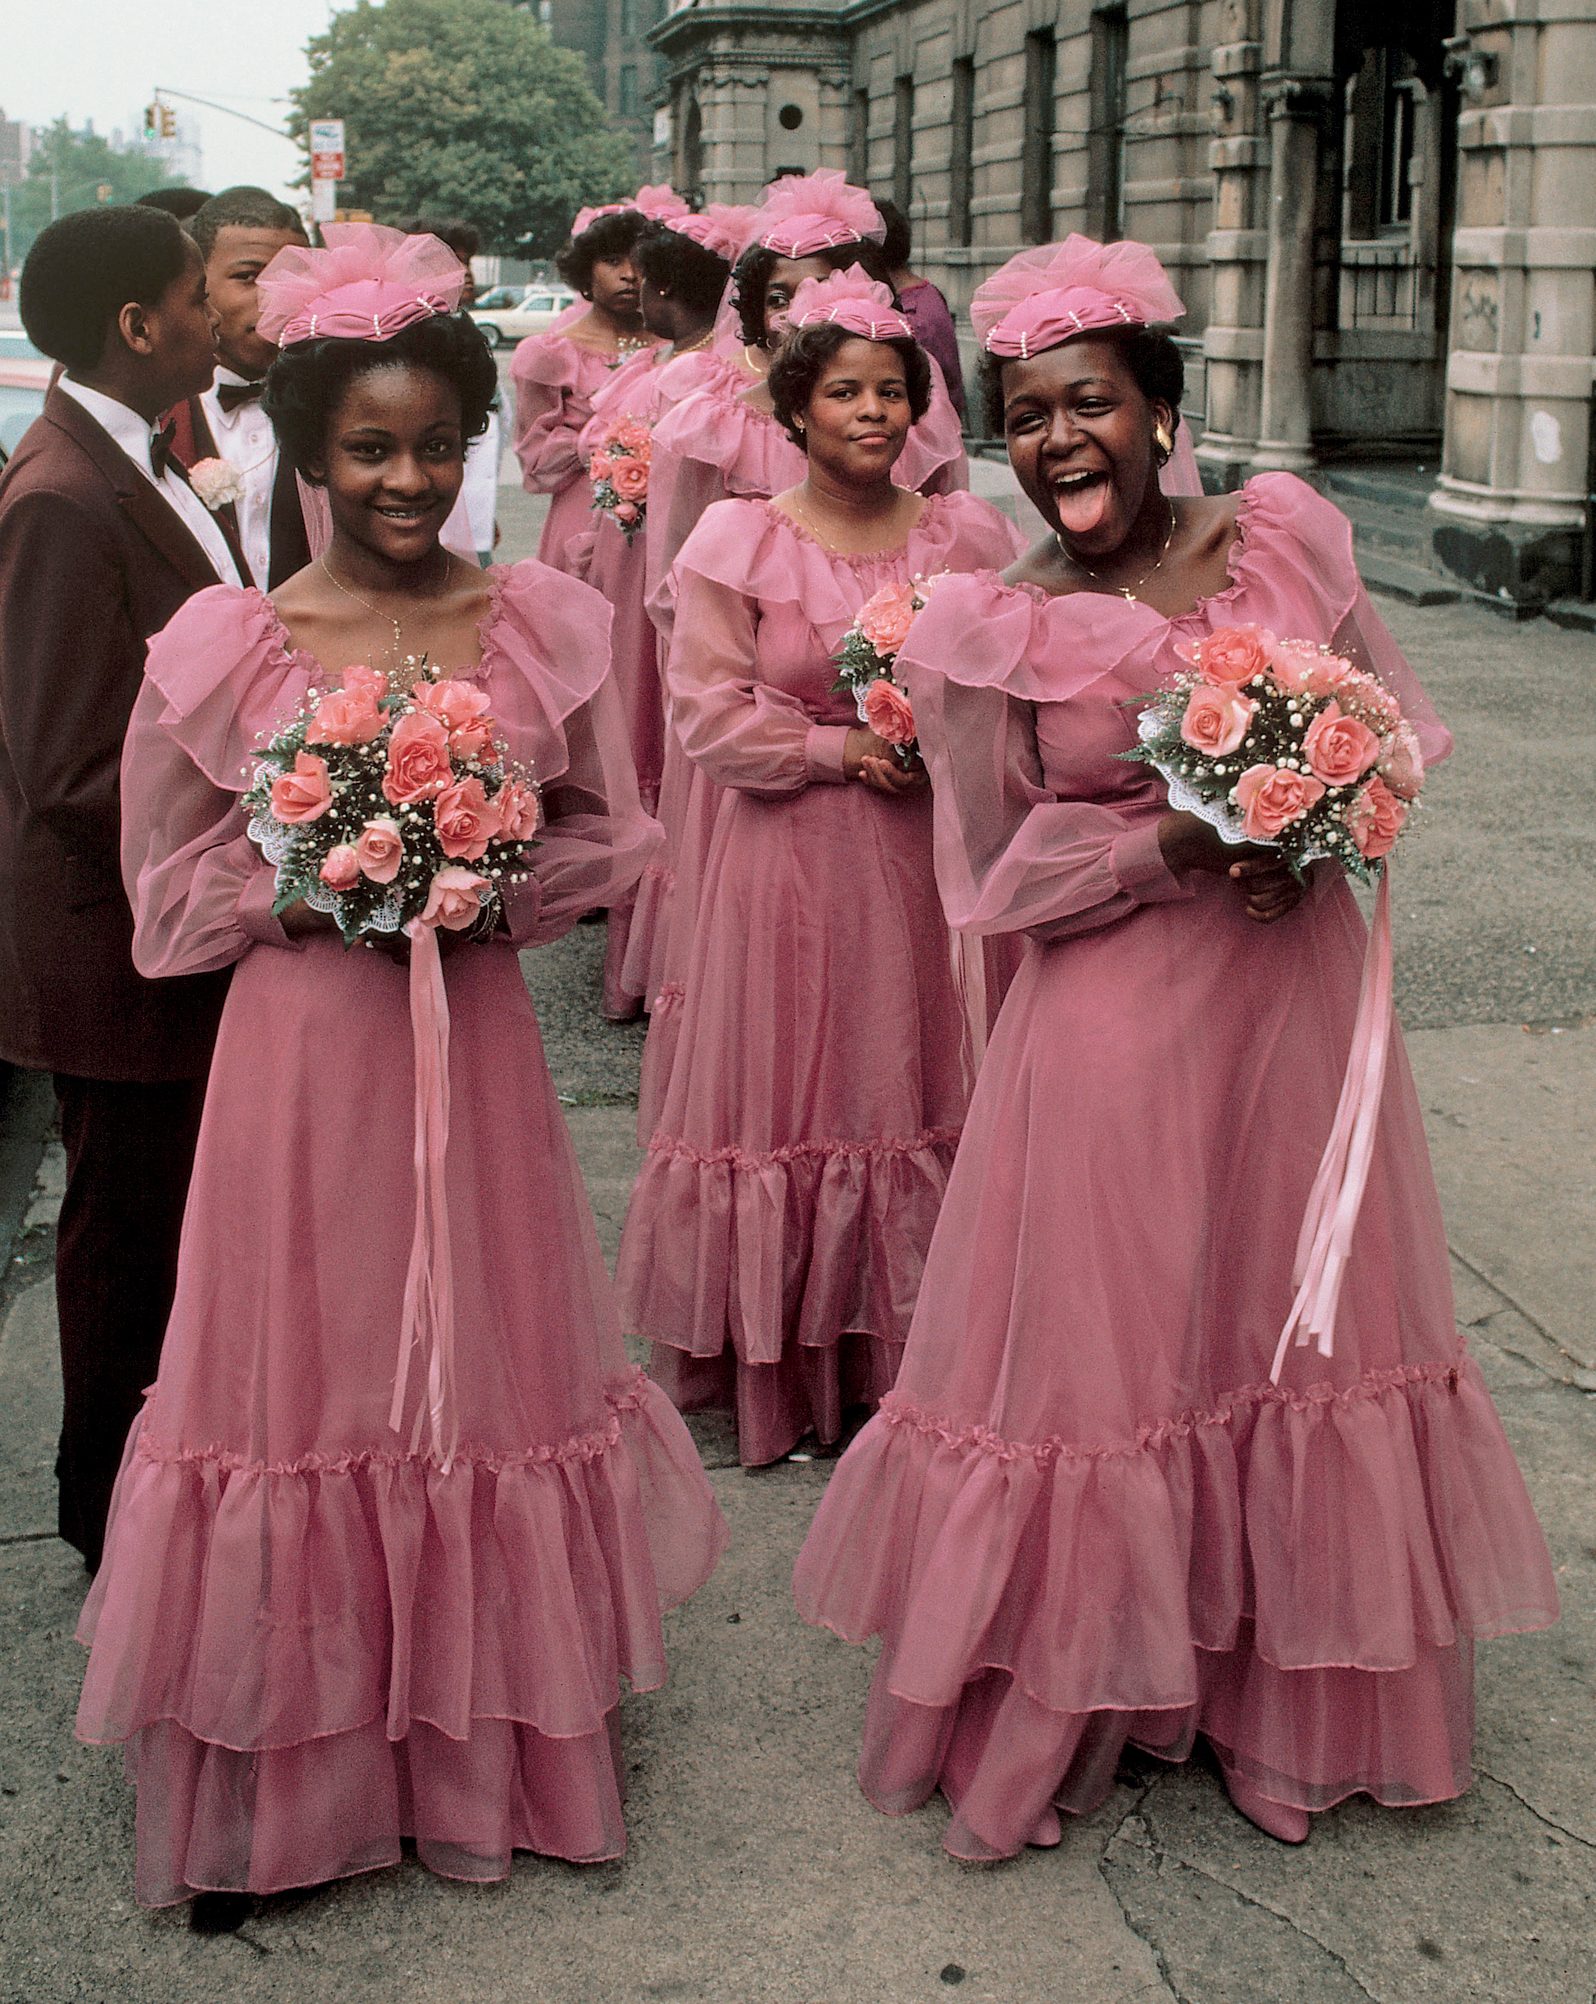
(216, 482)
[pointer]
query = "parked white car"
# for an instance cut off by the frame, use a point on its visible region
(508, 313)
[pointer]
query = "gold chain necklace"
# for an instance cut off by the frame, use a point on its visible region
(396, 675)
(1126, 592)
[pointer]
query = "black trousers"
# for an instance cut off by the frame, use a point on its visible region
(129, 1152)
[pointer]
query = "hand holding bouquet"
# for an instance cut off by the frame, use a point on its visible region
(864, 664)
(619, 473)
(1283, 742)
(385, 808)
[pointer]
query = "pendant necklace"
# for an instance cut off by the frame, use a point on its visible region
(397, 676)
(1126, 592)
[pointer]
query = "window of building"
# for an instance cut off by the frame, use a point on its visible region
(1105, 144)
(1036, 160)
(629, 17)
(961, 163)
(859, 140)
(626, 94)
(903, 142)
(1378, 141)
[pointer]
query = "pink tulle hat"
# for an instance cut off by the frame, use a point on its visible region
(368, 283)
(1050, 294)
(721, 227)
(658, 204)
(851, 299)
(804, 213)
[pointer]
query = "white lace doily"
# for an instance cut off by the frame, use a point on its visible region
(1219, 814)
(275, 842)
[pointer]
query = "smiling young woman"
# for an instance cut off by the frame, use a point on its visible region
(317, 1633)
(1086, 1515)
(774, 1239)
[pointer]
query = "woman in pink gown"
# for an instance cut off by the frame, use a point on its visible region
(683, 263)
(557, 374)
(314, 1638)
(1086, 1515)
(725, 441)
(773, 1245)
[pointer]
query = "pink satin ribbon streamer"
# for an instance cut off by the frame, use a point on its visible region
(1325, 1241)
(427, 1328)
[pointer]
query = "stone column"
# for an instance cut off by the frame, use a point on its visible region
(1237, 250)
(1285, 418)
(1510, 506)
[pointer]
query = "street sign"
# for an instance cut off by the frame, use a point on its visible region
(326, 149)
(323, 201)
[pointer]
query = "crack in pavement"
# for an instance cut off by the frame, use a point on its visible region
(1161, 1857)
(1524, 1802)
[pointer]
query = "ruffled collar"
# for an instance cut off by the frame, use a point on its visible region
(280, 641)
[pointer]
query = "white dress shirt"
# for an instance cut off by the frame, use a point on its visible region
(245, 439)
(131, 432)
(469, 529)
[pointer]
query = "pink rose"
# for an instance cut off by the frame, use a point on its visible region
(629, 477)
(1374, 819)
(379, 850)
(598, 468)
(1234, 654)
(466, 820)
(358, 679)
(1216, 718)
(462, 711)
(1339, 749)
(346, 717)
(418, 759)
(303, 794)
(1270, 796)
(455, 898)
(1295, 664)
(886, 616)
(1401, 763)
(1372, 697)
(634, 437)
(520, 810)
(887, 712)
(341, 870)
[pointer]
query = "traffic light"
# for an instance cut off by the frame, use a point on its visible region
(168, 122)
(152, 121)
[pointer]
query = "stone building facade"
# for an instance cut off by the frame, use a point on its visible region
(623, 71)
(1381, 213)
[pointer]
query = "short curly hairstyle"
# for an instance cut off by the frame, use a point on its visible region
(306, 382)
(751, 274)
(1150, 354)
(85, 268)
(609, 237)
(673, 263)
(801, 361)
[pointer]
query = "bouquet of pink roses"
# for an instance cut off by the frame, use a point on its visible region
(1285, 743)
(864, 663)
(619, 473)
(386, 808)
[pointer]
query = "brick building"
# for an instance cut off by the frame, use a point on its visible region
(1382, 217)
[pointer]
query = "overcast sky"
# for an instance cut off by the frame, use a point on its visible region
(101, 59)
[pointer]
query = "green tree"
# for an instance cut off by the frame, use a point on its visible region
(86, 171)
(464, 108)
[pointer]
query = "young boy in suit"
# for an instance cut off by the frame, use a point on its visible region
(239, 232)
(101, 540)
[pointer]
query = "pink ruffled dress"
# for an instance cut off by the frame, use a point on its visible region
(773, 1246)
(646, 387)
(713, 446)
(312, 1642)
(555, 383)
(1085, 1515)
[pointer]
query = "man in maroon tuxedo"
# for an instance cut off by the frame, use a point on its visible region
(239, 232)
(101, 541)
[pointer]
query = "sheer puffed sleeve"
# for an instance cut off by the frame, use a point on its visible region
(546, 661)
(551, 407)
(737, 569)
(1012, 855)
(217, 678)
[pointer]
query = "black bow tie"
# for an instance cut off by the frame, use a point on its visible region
(161, 449)
(231, 395)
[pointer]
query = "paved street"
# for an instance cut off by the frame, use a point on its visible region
(756, 1870)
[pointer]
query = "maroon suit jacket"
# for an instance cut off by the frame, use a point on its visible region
(192, 441)
(92, 562)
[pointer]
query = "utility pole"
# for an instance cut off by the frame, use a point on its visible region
(55, 191)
